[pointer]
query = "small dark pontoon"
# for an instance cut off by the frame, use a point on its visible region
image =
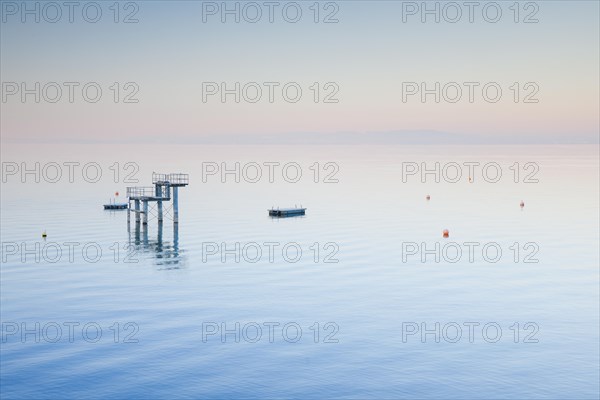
(287, 212)
(115, 206)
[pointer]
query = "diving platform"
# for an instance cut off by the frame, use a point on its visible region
(166, 188)
(173, 180)
(286, 212)
(149, 193)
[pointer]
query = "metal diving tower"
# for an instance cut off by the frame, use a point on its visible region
(166, 187)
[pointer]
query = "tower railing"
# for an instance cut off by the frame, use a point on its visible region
(141, 191)
(173, 179)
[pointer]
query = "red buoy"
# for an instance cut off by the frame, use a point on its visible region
(116, 193)
(428, 197)
(522, 204)
(446, 233)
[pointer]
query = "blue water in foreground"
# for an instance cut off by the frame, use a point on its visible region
(166, 289)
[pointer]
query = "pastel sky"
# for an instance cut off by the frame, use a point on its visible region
(370, 55)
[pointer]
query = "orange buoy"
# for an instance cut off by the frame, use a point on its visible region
(522, 204)
(445, 233)
(428, 197)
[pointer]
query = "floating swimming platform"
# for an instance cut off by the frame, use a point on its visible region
(286, 212)
(115, 206)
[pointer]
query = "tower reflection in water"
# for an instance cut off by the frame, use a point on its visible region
(165, 253)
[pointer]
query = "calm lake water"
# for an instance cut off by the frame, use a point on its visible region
(141, 312)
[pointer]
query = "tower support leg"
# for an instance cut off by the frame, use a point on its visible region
(137, 211)
(175, 205)
(145, 212)
(160, 210)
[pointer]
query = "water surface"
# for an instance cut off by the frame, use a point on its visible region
(361, 303)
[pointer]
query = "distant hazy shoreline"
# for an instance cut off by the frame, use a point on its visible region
(342, 138)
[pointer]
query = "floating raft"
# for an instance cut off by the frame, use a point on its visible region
(287, 212)
(115, 206)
